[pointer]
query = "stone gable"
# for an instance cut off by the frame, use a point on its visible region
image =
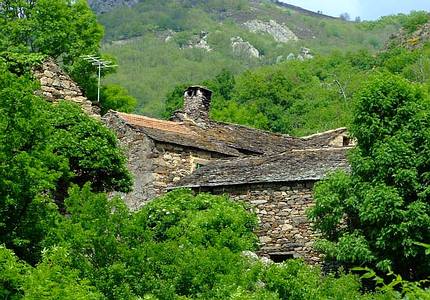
(56, 85)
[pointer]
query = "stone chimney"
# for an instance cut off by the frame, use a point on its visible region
(197, 101)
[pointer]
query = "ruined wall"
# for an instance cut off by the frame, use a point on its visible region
(284, 228)
(57, 85)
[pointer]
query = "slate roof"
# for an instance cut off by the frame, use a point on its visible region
(301, 165)
(224, 138)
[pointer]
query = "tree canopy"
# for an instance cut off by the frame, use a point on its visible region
(44, 149)
(377, 214)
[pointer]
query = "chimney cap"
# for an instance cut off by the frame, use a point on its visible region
(207, 92)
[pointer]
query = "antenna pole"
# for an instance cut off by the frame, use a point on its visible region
(98, 85)
(101, 64)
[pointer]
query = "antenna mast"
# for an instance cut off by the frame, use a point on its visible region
(101, 64)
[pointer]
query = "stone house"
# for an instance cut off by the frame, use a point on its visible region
(160, 152)
(279, 189)
(273, 173)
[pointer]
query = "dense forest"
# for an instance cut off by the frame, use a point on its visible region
(63, 237)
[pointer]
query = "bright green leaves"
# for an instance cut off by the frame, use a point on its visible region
(92, 150)
(178, 244)
(53, 278)
(51, 27)
(388, 182)
(43, 150)
(117, 98)
(201, 220)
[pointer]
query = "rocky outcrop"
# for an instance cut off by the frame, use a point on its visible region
(199, 41)
(102, 6)
(243, 48)
(281, 33)
(55, 85)
(412, 40)
(305, 53)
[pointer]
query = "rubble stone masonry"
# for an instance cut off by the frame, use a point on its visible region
(57, 85)
(284, 229)
(155, 165)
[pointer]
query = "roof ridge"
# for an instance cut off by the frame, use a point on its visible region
(323, 133)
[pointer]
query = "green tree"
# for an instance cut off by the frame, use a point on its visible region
(376, 214)
(43, 150)
(117, 98)
(57, 28)
(62, 29)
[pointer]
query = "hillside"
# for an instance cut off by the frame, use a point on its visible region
(160, 44)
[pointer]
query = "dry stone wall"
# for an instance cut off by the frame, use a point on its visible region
(173, 162)
(283, 224)
(55, 85)
(138, 149)
(155, 165)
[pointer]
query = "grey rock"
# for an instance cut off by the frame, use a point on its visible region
(281, 33)
(243, 48)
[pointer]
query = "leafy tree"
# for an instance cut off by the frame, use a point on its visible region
(51, 27)
(43, 150)
(177, 244)
(376, 214)
(12, 274)
(91, 150)
(117, 98)
(62, 29)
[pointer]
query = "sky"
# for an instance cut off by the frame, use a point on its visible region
(365, 9)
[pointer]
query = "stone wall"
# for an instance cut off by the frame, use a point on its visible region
(138, 149)
(173, 162)
(55, 85)
(154, 165)
(284, 229)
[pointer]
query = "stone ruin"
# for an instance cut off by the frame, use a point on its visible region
(56, 85)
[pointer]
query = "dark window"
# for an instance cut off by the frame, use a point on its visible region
(281, 257)
(346, 141)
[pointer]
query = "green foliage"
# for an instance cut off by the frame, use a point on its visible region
(52, 278)
(28, 169)
(43, 150)
(61, 29)
(398, 287)
(91, 149)
(149, 41)
(117, 98)
(54, 28)
(179, 246)
(203, 220)
(414, 20)
(376, 214)
(12, 273)
(293, 97)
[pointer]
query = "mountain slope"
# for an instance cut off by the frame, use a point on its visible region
(162, 43)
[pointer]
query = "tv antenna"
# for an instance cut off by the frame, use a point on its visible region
(100, 64)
